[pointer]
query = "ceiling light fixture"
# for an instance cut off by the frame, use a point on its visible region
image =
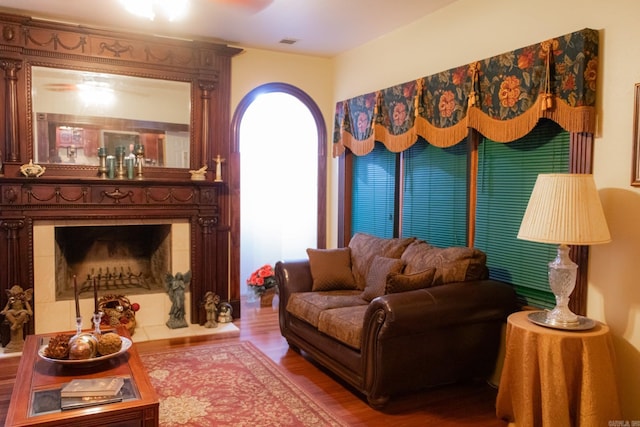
(95, 93)
(172, 10)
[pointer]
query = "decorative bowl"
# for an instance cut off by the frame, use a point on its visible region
(83, 363)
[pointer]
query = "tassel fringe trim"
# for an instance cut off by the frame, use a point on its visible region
(572, 119)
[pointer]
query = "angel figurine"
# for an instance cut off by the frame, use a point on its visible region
(176, 287)
(17, 312)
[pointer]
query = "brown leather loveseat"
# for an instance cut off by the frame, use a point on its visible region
(391, 316)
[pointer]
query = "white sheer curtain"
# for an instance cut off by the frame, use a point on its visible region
(278, 172)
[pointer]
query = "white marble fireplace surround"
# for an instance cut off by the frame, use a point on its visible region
(53, 316)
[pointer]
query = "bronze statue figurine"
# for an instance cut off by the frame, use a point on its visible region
(176, 288)
(211, 302)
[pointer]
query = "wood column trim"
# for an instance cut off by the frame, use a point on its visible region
(11, 68)
(581, 161)
(206, 88)
(12, 229)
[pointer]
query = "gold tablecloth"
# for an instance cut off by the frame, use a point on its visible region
(555, 377)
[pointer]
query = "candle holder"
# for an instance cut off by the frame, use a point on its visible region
(139, 152)
(78, 325)
(97, 318)
(120, 162)
(102, 169)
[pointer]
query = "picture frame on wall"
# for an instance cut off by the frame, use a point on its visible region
(635, 170)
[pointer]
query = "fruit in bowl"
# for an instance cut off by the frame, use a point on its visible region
(83, 346)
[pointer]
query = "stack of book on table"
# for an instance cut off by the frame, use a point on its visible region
(92, 391)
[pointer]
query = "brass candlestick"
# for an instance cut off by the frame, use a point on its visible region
(102, 169)
(120, 162)
(138, 150)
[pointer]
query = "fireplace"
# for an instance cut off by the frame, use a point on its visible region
(118, 259)
(148, 245)
(69, 192)
(33, 212)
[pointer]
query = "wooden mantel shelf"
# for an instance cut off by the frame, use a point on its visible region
(79, 193)
(96, 180)
(56, 193)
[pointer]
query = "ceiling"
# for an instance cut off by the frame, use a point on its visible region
(319, 27)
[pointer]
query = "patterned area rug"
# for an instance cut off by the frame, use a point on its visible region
(229, 385)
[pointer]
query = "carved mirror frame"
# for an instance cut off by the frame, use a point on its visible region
(26, 42)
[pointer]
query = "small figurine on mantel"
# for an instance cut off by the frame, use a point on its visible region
(17, 312)
(31, 170)
(199, 174)
(176, 288)
(218, 161)
(211, 302)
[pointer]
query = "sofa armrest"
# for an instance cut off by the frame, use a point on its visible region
(415, 312)
(293, 276)
(433, 336)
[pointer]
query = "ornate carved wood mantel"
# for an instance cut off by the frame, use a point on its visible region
(76, 191)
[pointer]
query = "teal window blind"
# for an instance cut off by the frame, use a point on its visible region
(373, 193)
(506, 176)
(434, 205)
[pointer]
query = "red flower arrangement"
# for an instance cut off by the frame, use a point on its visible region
(262, 279)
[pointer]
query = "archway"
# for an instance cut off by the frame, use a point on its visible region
(273, 158)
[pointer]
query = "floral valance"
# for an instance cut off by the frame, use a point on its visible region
(502, 97)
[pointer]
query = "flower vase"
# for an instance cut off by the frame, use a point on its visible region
(266, 299)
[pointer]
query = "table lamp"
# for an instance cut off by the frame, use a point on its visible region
(564, 209)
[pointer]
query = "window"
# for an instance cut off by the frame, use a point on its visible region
(374, 188)
(434, 201)
(507, 174)
(434, 197)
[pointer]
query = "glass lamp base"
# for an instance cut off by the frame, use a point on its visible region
(562, 280)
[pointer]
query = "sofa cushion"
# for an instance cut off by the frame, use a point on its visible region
(331, 269)
(380, 268)
(397, 282)
(344, 324)
(365, 247)
(307, 306)
(453, 264)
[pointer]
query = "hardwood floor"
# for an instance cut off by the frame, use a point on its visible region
(457, 405)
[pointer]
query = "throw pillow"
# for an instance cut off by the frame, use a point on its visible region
(453, 264)
(365, 247)
(380, 268)
(331, 269)
(409, 282)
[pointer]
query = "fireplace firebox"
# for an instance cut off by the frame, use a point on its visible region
(119, 259)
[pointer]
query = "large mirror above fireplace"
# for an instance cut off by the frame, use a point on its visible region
(75, 113)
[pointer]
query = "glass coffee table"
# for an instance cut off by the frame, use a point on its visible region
(36, 393)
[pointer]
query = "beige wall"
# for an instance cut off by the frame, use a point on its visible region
(253, 68)
(469, 30)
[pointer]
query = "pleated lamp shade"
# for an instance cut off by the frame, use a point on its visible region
(565, 209)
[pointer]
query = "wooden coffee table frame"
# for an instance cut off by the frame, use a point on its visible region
(35, 374)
